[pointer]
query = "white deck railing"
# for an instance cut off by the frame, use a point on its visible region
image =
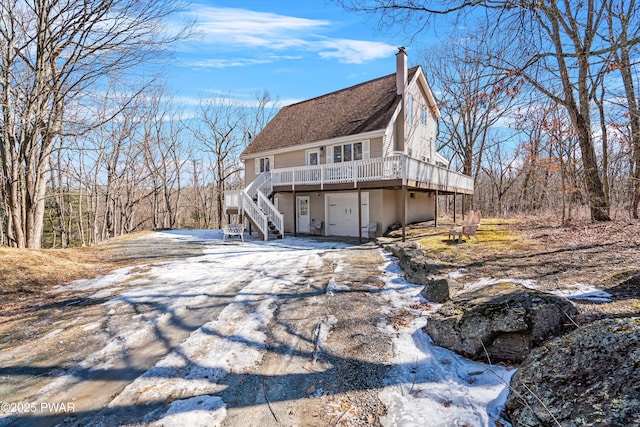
(276, 217)
(261, 212)
(393, 167)
(252, 189)
(259, 218)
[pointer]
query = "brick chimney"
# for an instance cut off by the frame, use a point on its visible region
(401, 70)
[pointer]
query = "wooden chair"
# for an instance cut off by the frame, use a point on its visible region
(469, 228)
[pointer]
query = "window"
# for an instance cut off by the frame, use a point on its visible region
(357, 151)
(337, 153)
(347, 152)
(313, 158)
(263, 164)
(423, 116)
(410, 110)
(346, 148)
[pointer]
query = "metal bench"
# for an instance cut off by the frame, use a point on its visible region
(233, 230)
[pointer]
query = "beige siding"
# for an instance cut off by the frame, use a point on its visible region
(249, 171)
(383, 208)
(299, 158)
(286, 205)
(420, 138)
(389, 142)
(421, 208)
(289, 159)
(316, 207)
(284, 202)
(376, 148)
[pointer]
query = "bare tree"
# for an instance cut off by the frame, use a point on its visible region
(503, 174)
(555, 48)
(52, 53)
(470, 95)
(163, 157)
(623, 20)
(224, 128)
(220, 129)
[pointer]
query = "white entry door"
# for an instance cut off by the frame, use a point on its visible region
(302, 210)
(342, 213)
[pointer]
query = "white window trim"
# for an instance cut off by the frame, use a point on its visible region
(366, 149)
(257, 164)
(308, 153)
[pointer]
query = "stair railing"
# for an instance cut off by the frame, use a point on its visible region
(276, 217)
(252, 189)
(263, 211)
(254, 212)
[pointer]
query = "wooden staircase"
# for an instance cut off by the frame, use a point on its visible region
(272, 233)
(254, 204)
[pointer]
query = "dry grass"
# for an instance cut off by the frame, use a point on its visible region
(26, 275)
(496, 236)
(603, 255)
(36, 268)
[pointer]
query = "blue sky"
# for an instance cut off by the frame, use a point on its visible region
(294, 49)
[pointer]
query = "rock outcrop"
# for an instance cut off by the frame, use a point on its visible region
(440, 289)
(422, 270)
(503, 322)
(589, 377)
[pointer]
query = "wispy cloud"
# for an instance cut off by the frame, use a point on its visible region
(263, 34)
(253, 29)
(237, 62)
(355, 51)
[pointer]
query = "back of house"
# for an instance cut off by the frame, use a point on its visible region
(345, 163)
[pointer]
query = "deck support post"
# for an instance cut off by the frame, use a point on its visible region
(295, 214)
(359, 215)
(435, 216)
(455, 196)
(404, 213)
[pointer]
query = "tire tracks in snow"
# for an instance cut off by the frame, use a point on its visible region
(234, 343)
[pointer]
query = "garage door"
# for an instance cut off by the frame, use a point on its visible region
(342, 213)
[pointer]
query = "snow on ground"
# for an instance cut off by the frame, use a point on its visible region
(486, 282)
(429, 385)
(197, 411)
(582, 292)
(232, 342)
(577, 291)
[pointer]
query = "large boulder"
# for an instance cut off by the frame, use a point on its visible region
(440, 289)
(417, 267)
(502, 322)
(589, 377)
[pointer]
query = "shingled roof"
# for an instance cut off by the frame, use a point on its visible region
(357, 109)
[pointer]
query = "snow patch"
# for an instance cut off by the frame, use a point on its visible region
(231, 344)
(487, 281)
(333, 286)
(200, 411)
(52, 334)
(582, 292)
(455, 274)
(429, 385)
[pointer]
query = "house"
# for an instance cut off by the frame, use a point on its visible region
(360, 157)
